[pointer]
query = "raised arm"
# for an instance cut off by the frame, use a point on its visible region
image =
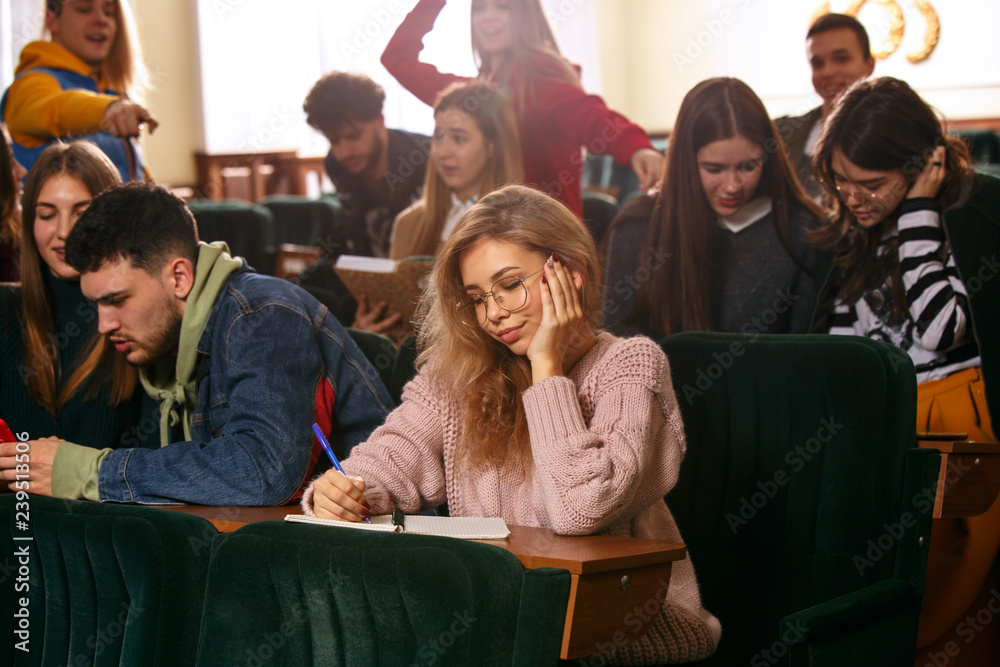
(402, 54)
(629, 456)
(935, 294)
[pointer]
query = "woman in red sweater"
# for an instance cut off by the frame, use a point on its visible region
(517, 52)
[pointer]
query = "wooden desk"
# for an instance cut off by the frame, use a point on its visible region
(612, 579)
(969, 478)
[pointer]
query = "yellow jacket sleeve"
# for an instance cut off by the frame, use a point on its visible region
(38, 109)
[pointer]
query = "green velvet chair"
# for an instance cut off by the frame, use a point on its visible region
(974, 234)
(294, 594)
(804, 504)
(247, 228)
(107, 585)
(304, 221)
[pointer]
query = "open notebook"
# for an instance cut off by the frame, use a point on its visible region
(466, 527)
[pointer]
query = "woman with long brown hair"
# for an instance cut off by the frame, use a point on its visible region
(523, 409)
(517, 52)
(903, 192)
(723, 245)
(58, 376)
(474, 150)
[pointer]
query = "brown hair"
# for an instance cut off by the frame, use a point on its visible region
(494, 117)
(682, 219)
(339, 98)
(534, 54)
(828, 22)
(98, 362)
(123, 69)
(10, 215)
(484, 374)
(881, 124)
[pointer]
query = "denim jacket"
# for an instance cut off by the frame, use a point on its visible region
(267, 351)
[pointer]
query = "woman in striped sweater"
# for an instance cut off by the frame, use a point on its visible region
(897, 185)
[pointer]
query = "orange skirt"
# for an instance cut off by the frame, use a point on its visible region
(962, 551)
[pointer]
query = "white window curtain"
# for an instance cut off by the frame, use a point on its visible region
(259, 60)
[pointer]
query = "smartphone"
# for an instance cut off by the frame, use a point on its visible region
(5, 433)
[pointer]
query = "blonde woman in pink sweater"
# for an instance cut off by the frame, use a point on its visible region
(523, 410)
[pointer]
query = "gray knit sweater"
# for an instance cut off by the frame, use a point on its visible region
(759, 288)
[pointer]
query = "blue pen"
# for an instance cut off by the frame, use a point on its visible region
(333, 457)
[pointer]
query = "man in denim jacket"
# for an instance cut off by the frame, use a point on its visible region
(241, 363)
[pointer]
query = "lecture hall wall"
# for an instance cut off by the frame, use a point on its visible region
(230, 75)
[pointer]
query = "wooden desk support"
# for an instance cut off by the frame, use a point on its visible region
(617, 584)
(969, 479)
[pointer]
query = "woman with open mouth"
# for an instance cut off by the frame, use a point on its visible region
(83, 84)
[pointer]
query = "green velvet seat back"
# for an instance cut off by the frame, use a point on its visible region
(974, 234)
(304, 221)
(796, 466)
(247, 228)
(293, 594)
(108, 584)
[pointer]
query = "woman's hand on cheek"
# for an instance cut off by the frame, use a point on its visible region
(563, 320)
(336, 496)
(929, 181)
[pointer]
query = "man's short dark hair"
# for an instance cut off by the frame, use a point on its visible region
(339, 98)
(139, 222)
(828, 22)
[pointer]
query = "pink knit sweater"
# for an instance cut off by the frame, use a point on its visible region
(606, 442)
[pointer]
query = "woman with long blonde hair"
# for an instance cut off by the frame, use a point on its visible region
(523, 409)
(474, 149)
(59, 376)
(518, 53)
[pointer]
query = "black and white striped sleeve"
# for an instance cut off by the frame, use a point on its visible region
(935, 295)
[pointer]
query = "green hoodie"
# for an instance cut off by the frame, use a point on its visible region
(170, 380)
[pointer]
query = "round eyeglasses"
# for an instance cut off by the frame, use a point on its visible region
(509, 293)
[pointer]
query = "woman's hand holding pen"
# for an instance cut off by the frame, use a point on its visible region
(337, 496)
(564, 321)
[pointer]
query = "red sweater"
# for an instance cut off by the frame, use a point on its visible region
(562, 118)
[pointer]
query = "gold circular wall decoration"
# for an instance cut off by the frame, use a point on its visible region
(896, 26)
(931, 32)
(895, 36)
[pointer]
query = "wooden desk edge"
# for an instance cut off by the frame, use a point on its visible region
(534, 547)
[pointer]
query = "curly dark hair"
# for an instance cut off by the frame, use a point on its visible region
(339, 98)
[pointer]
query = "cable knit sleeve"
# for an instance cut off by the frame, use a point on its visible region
(401, 463)
(402, 54)
(627, 457)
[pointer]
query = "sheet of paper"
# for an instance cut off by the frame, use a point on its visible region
(465, 527)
